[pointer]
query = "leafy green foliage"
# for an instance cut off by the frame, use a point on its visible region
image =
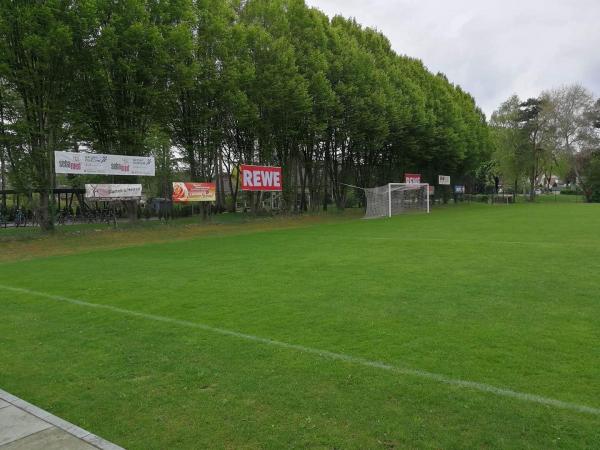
(553, 134)
(591, 177)
(230, 82)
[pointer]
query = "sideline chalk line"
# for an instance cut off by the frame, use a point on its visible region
(473, 385)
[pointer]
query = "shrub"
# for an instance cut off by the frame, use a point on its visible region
(571, 192)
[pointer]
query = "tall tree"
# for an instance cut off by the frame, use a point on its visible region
(37, 51)
(536, 125)
(569, 108)
(510, 143)
(122, 89)
(9, 105)
(196, 89)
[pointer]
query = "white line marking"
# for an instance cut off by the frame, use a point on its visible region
(471, 241)
(482, 387)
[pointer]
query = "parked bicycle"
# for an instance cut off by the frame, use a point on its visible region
(20, 218)
(65, 217)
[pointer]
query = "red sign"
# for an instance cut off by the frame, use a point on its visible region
(194, 192)
(261, 178)
(412, 178)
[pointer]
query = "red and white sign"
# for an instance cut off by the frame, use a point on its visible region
(261, 178)
(194, 192)
(412, 178)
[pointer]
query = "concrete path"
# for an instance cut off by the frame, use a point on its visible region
(27, 427)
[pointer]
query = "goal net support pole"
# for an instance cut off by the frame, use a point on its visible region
(389, 199)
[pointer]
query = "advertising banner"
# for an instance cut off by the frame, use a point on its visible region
(99, 164)
(458, 189)
(444, 180)
(261, 178)
(412, 178)
(108, 192)
(194, 192)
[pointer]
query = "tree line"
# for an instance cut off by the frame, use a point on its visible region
(209, 84)
(556, 134)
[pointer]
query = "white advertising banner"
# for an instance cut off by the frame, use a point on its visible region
(99, 164)
(444, 180)
(108, 192)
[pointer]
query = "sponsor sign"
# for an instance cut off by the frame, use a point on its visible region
(459, 189)
(99, 164)
(412, 178)
(108, 192)
(261, 178)
(444, 180)
(194, 192)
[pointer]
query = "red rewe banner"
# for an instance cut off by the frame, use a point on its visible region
(261, 178)
(412, 178)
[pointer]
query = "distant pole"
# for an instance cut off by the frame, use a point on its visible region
(389, 200)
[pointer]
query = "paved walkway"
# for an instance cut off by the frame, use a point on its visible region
(27, 427)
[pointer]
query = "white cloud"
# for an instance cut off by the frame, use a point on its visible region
(491, 48)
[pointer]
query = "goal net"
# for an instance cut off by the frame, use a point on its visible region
(396, 198)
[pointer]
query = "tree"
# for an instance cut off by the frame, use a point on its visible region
(535, 124)
(121, 92)
(590, 175)
(509, 140)
(230, 82)
(159, 145)
(195, 106)
(569, 110)
(9, 105)
(37, 59)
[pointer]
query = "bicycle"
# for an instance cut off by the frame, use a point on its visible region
(20, 219)
(64, 217)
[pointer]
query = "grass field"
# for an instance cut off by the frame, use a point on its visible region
(474, 327)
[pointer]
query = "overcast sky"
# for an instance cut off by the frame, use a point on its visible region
(491, 48)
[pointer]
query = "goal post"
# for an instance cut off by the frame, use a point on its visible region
(397, 198)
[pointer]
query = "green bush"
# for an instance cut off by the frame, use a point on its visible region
(483, 198)
(571, 192)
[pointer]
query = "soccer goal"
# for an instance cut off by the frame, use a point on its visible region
(396, 198)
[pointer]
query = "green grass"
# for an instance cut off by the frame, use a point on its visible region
(12, 233)
(558, 198)
(502, 295)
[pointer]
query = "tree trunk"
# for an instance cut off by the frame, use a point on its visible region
(46, 211)
(234, 192)
(325, 178)
(531, 188)
(3, 177)
(131, 208)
